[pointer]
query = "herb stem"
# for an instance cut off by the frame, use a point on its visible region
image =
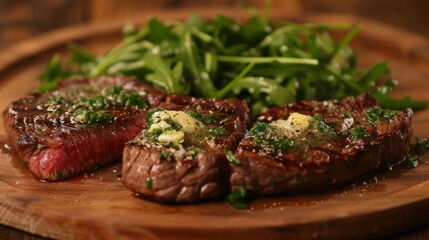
(258, 60)
(227, 88)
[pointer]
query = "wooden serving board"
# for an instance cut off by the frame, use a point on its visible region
(97, 206)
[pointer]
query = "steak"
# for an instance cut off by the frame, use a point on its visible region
(80, 126)
(180, 156)
(311, 146)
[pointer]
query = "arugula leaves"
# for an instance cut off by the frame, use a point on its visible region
(268, 64)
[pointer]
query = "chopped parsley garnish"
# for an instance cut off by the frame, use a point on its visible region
(375, 114)
(323, 126)
(193, 152)
(358, 132)
(41, 132)
(149, 116)
(154, 134)
(210, 118)
(265, 135)
(172, 123)
(238, 198)
(305, 156)
(218, 132)
(165, 155)
(125, 98)
(56, 100)
(91, 103)
(422, 145)
(411, 161)
(149, 183)
(285, 144)
(225, 120)
(345, 115)
(91, 110)
(40, 146)
(91, 119)
(231, 158)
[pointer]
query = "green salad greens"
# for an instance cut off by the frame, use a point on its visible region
(266, 63)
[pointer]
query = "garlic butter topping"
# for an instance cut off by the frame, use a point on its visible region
(294, 125)
(172, 125)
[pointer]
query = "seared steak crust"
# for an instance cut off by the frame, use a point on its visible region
(201, 177)
(339, 160)
(55, 146)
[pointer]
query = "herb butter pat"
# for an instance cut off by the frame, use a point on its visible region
(188, 124)
(295, 124)
(171, 136)
(170, 126)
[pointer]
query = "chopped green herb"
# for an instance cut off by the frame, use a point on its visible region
(411, 161)
(225, 120)
(375, 114)
(260, 127)
(206, 118)
(25, 162)
(305, 156)
(422, 145)
(231, 158)
(333, 124)
(149, 116)
(41, 132)
(153, 135)
(323, 126)
(152, 111)
(238, 198)
(218, 132)
(358, 132)
(40, 146)
(56, 100)
(173, 124)
(165, 155)
(345, 115)
(91, 119)
(89, 110)
(265, 135)
(125, 98)
(149, 183)
(285, 144)
(91, 103)
(193, 152)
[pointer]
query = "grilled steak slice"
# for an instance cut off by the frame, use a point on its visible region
(180, 156)
(82, 125)
(326, 144)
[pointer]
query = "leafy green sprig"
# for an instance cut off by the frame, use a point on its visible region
(268, 64)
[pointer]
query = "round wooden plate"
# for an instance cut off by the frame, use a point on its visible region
(96, 205)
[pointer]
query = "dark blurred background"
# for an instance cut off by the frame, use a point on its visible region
(21, 19)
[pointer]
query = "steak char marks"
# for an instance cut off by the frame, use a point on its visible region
(180, 156)
(83, 124)
(327, 144)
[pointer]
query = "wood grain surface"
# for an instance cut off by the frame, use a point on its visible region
(96, 205)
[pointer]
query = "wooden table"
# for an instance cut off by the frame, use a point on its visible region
(75, 208)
